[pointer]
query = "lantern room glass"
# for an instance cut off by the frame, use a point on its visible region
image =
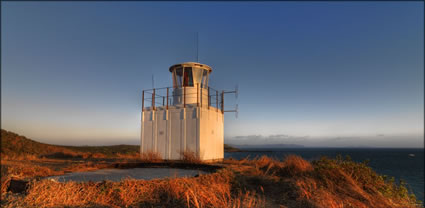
(204, 83)
(178, 77)
(190, 77)
(197, 75)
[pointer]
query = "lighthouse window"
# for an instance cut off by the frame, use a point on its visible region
(197, 76)
(179, 76)
(205, 79)
(174, 79)
(188, 77)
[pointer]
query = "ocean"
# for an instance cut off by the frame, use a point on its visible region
(391, 162)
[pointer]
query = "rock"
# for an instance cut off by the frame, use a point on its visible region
(18, 186)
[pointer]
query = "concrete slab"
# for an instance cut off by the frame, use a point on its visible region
(120, 174)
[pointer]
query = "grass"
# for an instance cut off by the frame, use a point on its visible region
(150, 156)
(14, 146)
(295, 182)
(107, 151)
(190, 157)
(260, 182)
(212, 190)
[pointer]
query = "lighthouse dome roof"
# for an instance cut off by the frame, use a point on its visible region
(191, 64)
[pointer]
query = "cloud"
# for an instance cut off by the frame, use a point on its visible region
(271, 139)
(380, 140)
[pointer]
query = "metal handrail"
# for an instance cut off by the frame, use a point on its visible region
(215, 97)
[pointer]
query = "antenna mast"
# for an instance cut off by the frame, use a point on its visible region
(197, 46)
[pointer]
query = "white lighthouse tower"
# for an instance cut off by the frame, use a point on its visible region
(187, 117)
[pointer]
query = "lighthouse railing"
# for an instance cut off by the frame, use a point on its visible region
(164, 98)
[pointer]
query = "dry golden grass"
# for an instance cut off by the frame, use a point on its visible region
(135, 156)
(17, 147)
(267, 165)
(21, 170)
(190, 157)
(211, 190)
(296, 182)
(24, 170)
(295, 165)
(93, 155)
(151, 157)
(27, 169)
(329, 184)
(28, 157)
(261, 182)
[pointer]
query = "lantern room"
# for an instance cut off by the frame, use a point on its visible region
(190, 74)
(190, 83)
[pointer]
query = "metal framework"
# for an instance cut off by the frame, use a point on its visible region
(160, 97)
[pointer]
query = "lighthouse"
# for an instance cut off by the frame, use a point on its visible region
(185, 117)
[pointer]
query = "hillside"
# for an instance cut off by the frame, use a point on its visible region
(262, 182)
(228, 148)
(107, 150)
(14, 145)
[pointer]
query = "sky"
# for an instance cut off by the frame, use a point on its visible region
(309, 73)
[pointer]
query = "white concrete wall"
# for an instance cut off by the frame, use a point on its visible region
(196, 129)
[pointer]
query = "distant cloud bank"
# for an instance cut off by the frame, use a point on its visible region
(379, 140)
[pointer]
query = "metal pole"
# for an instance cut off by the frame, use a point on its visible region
(209, 98)
(163, 101)
(167, 98)
(222, 101)
(197, 47)
(216, 99)
(153, 99)
(201, 96)
(143, 100)
(197, 94)
(184, 96)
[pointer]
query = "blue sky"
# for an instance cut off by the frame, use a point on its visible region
(72, 72)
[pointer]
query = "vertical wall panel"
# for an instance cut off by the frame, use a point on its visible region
(176, 134)
(191, 130)
(161, 134)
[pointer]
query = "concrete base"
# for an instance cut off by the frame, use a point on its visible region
(170, 133)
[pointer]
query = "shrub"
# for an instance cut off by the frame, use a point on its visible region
(151, 156)
(190, 157)
(294, 165)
